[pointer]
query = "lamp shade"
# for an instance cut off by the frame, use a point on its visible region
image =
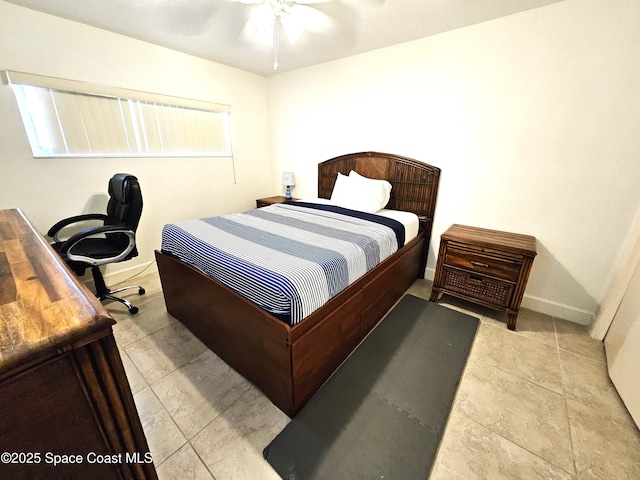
(288, 179)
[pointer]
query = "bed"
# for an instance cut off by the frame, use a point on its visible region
(289, 362)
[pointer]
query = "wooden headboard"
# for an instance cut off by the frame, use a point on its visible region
(414, 184)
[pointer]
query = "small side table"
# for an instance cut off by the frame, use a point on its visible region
(263, 202)
(487, 267)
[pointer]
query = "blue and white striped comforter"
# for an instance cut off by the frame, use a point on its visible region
(289, 259)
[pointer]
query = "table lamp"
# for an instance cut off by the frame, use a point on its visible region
(288, 180)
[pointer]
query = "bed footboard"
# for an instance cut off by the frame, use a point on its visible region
(247, 338)
(289, 364)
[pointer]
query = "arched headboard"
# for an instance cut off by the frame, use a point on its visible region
(414, 183)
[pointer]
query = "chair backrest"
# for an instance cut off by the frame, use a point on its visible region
(124, 207)
(125, 201)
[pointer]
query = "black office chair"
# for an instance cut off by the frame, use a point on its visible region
(114, 241)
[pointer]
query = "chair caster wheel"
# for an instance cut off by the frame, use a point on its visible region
(141, 291)
(133, 310)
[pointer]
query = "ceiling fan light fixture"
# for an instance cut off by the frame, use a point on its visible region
(267, 18)
(293, 28)
(262, 17)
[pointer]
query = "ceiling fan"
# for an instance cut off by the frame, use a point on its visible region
(272, 16)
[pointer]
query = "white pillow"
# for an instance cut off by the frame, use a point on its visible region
(381, 188)
(341, 193)
(360, 193)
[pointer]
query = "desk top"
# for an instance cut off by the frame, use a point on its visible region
(44, 308)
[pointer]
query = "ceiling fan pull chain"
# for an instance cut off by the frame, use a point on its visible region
(276, 37)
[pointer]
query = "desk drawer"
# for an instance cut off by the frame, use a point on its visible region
(483, 288)
(486, 265)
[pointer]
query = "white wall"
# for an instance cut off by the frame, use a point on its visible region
(533, 118)
(50, 189)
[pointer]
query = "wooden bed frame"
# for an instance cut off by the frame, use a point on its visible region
(289, 364)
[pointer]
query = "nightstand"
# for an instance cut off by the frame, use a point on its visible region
(263, 202)
(487, 267)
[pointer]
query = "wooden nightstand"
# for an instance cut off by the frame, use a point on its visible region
(263, 202)
(484, 266)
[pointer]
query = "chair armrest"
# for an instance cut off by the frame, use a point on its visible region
(53, 231)
(90, 232)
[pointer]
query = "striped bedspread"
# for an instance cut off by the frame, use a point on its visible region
(289, 259)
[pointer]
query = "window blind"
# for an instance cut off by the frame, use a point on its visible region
(70, 118)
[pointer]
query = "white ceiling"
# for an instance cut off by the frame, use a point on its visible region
(217, 29)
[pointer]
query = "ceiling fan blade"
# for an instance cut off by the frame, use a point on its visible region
(249, 2)
(312, 18)
(309, 2)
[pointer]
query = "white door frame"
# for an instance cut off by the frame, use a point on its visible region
(627, 262)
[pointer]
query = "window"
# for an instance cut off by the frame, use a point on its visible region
(65, 118)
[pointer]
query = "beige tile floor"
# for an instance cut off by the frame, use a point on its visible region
(534, 404)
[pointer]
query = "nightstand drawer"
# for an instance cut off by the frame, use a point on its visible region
(495, 266)
(478, 286)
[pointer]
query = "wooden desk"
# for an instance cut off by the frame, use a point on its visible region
(63, 389)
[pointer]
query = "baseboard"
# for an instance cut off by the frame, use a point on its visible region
(548, 307)
(558, 310)
(429, 273)
(112, 278)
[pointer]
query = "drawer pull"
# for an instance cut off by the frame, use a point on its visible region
(479, 264)
(475, 278)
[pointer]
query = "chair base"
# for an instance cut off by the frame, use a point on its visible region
(104, 293)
